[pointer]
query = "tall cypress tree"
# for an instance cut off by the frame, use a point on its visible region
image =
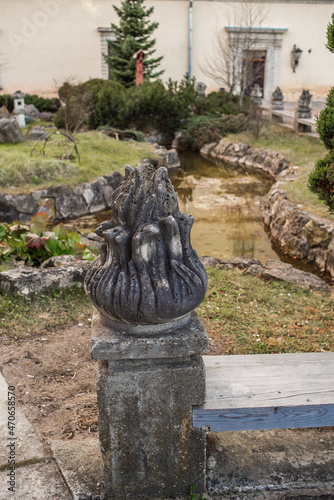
(132, 34)
(321, 179)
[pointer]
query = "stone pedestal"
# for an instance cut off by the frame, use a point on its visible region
(149, 378)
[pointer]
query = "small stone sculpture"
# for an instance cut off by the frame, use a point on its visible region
(256, 93)
(304, 104)
(147, 272)
(277, 99)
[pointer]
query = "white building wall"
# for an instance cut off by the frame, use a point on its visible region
(45, 42)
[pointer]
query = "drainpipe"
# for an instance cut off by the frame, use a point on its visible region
(190, 36)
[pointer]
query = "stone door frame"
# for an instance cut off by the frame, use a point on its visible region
(259, 39)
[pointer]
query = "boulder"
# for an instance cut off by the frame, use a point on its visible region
(28, 281)
(276, 270)
(10, 131)
(170, 156)
(31, 111)
(35, 133)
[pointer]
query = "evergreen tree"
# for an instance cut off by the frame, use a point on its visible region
(132, 34)
(321, 179)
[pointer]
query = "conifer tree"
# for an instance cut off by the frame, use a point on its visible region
(132, 34)
(321, 179)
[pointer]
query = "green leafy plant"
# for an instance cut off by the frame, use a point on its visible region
(35, 243)
(321, 179)
(202, 130)
(192, 493)
(50, 105)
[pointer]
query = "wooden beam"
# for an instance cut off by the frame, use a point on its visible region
(279, 417)
(268, 391)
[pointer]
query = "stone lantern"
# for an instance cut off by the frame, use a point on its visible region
(18, 98)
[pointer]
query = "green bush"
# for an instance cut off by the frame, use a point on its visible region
(325, 126)
(7, 101)
(151, 106)
(202, 130)
(59, 119)
(108, 103)
(220, 103)
(50, 105)
(321, 180)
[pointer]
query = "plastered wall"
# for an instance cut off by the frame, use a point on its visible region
(44, 42)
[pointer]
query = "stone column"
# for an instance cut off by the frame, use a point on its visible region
(149, 378)
(148, 341)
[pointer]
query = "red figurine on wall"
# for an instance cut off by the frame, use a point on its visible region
(139, 56)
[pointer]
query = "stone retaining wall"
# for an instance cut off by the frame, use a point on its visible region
(240, 154)
(299, 234)
(60, 202)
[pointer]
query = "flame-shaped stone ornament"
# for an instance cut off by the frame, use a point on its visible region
(147, 271)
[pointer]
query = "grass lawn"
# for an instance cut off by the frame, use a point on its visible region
(99, 155)
(242, 315)
(300, 150)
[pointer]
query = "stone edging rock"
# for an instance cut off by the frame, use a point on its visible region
(268, 161)
(300, 234)
(273, 270)
(64, 202)
(26, 282)
(61, 202)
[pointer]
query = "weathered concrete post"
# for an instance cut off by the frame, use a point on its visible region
(148, 340)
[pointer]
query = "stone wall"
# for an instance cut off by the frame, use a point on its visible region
(60, 202)
(240, 154)
(300, 234)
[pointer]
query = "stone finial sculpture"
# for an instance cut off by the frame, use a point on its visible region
(256, 93)
(277, 99)
(304, 104)
(147, 272)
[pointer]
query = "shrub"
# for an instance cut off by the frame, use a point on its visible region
(321, 179)
(218, 103)
(202, 130)
(108, 103)
(50, 105)
(7, 101)
(325, 126)
(78, 106)
(151, 106)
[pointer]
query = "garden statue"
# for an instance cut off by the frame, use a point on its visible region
(139, 56)
(148, 272)
(277, 99)
(304, 104)
(148, 341)
(256, 93)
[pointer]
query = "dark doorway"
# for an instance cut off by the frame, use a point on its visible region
(253, 66)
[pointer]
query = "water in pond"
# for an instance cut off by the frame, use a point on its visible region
(225, 203)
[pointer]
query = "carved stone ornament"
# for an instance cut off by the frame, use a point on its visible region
(277, 95)
(147, 271)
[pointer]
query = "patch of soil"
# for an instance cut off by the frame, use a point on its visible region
(55, 380)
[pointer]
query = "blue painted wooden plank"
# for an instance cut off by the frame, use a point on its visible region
(283, 417)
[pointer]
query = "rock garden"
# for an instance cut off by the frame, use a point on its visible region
(250, 306)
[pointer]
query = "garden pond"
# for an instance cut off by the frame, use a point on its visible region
(225, 201)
